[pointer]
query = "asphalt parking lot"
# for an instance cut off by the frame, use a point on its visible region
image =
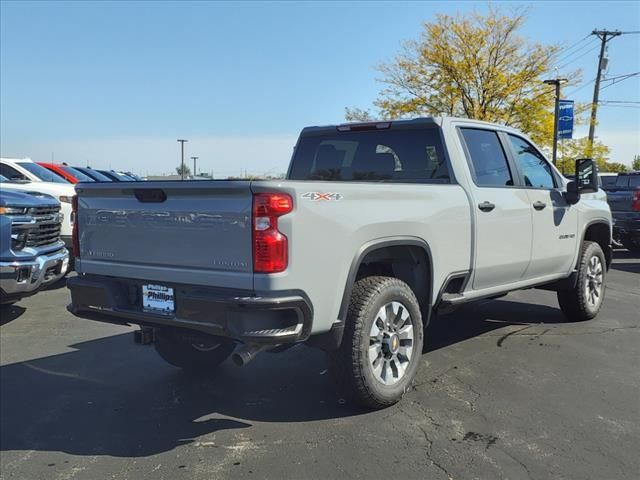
(507, 390)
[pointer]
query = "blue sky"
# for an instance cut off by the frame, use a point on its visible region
(114, 84)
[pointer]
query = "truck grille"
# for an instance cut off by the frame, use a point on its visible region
(47, 228)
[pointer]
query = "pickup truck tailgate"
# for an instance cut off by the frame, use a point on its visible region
(176, 232)
(620, 200)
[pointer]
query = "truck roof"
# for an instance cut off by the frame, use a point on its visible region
(404, 123)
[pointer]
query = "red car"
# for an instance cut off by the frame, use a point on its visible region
(70, 174)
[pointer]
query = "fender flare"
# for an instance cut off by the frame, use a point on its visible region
(595, 221)
(377, 244)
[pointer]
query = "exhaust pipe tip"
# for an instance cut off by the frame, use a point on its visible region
(238, 360)
(247, 353)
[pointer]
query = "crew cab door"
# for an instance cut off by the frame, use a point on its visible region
(555, 222)
(502, 212)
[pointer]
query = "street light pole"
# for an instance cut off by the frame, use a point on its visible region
(181, 140)
(195, 172)
(556, 82)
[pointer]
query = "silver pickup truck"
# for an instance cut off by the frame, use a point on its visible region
(377, 227)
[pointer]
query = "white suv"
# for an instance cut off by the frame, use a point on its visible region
(26, 175)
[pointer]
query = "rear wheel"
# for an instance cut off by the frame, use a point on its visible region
(382, 343)
(191, 351)
(583, 302)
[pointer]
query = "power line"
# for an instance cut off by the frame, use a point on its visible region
(620, 76)
(566, 55)
(566, 52)
(579, 57)
(620, 106)
(619, 79)
(573, 92)
(620, 101)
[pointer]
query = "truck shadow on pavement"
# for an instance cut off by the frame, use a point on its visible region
(626, 261)
(111, 397)
(9, 313)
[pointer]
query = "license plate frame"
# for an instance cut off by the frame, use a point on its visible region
(158, 299)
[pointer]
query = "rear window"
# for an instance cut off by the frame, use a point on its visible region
(405, 156)
(622, 181)
(628, 181)
(608, 181)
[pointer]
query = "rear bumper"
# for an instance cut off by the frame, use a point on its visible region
(20, 279)
(273, 318)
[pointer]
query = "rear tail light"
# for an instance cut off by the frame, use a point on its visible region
(75, 240)
(270, 246)
(635, 202)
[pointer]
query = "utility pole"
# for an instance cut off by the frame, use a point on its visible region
(182, 157)
(556, 82)
(195, 172)
(604, 36)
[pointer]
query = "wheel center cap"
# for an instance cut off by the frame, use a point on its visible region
(394, 343)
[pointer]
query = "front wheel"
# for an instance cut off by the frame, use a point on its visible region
(192, 352)
(382, 343)
(583, 302)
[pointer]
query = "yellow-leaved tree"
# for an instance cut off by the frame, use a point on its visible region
(570, 150)
(475, 66)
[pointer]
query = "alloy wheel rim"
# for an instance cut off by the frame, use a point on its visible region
(594, 281)
(391, 343)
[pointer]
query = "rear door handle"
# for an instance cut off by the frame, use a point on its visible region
(539, 205)
(486, 206)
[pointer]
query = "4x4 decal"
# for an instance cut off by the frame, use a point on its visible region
(320, 196)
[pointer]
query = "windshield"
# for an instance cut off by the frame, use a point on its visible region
(41, 172)
(77, 174)
(96, 175)
(119, 176)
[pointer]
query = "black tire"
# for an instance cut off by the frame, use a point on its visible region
(191, 351)
(350, 364)
(631, 244)
(576, 303)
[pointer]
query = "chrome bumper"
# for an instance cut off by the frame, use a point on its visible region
(23, 278)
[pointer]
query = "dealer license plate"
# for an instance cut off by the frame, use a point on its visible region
(158, 299)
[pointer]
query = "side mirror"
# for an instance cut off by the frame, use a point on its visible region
(586, 175)
(572, 195)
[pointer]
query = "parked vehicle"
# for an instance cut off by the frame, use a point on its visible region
(377, 226)
(31, 252)
(27, 176)
(116, 176)
(624, 200)
(68, 173)
(607, 179)
(96, 175)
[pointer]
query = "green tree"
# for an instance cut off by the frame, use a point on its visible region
(570, 150)
(187, 170)
(474, 66)
(636, 163)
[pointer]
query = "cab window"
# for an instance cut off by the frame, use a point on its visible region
(490, 167)
(534, 167)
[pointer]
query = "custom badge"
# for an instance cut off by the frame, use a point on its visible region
(320, 196)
